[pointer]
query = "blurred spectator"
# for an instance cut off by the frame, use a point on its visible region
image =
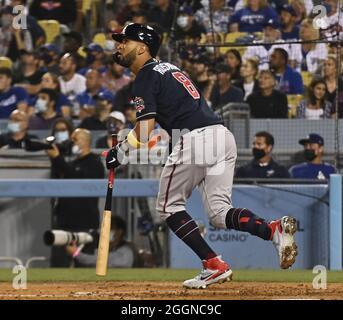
(45, 107)
(132, 7)
(11, 98)
(62, 130)
(64, 11)
(312, 54)
(94, 59)
(224, 92)
(103, 104)
(252, 17)
(75, 214)
(63, 105)
(268, 102)
(187, 28)
(289, 28)
(200, 73)
(71, 44)
(314, 167)
(249, 83)
(122, 254)
(140, 17)
(316, 106)
(37, 32)
(50, 56)
(263, 165)
(71, 83)
(30, 74)
(12, 39)
(302, 8)
(220, 16)
(115, 123)
(162, 14)
(85, 100)
(271, 40)
(16, 134)
(234, 61)
(115, 78)
(330, 77)
(123, 97)
(288, 80)
(130, 114)
(332, 22)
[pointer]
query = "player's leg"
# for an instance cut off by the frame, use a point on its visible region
(176, 184)
(216, 189)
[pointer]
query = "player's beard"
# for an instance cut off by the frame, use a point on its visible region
(127, 60)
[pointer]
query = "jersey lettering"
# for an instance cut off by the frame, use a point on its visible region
(187, 84)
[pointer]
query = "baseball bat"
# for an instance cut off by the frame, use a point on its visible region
(104, 240)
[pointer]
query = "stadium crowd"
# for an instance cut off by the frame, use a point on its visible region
(46, 77)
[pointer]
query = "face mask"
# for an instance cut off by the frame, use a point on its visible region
(61, 136)
(41, 105)
(182, 21)
(75, 149)
(258, 153)
(309, 154)
(13, 127)
(90, 58)
(109, 45)
(6, 21)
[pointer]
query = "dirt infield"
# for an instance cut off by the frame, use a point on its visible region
(117, 290)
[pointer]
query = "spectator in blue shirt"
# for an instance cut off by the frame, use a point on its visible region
(289, 28)
(314, 167)
(94, 59)
(252, 17)
(288, 80)
(11, 98)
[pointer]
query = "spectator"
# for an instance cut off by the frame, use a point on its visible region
(45, 107)
(115, 124)
(224, 92)
(132, 7)
(263, 165)
(75, 214)
(187, 28)
(85, 100)
(63, 105)
(72, 42)
(252, 17)
(220, 17)
(288, 80)
(314, 167)
(50, 56)
(312, 54)
(140, 17)
(201, 74)
(71, 83)
(162, 14)
(333, 21)
(271, 40)
(122, 254)
(13, 40)
(289, 28)
(64, 11)
(37, 32)
(103, 105)
(94, 59)
(302, 8)
(30, 74)
(123, 97)
(330, 77)
(62, 130)
(234, 61)
(268, 102)
(249, 83)
(16, 134)
(115, 78)
(316, 106)
(11, 98)
(130, 114)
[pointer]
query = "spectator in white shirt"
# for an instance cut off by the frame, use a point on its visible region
(71, 83)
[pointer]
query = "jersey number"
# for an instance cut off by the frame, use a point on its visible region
(187, 84)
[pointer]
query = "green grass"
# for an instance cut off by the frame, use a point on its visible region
(55, 275)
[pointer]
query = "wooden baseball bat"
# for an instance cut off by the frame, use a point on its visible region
(104, 240)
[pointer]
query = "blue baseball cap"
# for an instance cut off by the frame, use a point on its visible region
(94, 47)
(50, 47)
(271, 23)
(186, 10)
(312, 138)
(289, 9)
(104, 95)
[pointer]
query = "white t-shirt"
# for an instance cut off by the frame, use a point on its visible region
(73, 87)
(248, 87)
(314, 114)
(313, 57)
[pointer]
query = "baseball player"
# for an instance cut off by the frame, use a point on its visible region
(163, 93)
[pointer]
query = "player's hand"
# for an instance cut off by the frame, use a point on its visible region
(112, 160)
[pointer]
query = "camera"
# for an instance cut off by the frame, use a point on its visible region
(61, 238)
(38, 145)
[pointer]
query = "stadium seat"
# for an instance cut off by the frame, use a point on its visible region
(51, 28)
(293, 102)
(231, 38)
(100, 39)
(6, 62)
(307, 78)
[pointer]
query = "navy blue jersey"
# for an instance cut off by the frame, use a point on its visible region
(162, 91)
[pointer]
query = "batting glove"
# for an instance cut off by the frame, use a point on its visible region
(112, 160)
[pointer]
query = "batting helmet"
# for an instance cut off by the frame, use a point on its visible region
(141, 33)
